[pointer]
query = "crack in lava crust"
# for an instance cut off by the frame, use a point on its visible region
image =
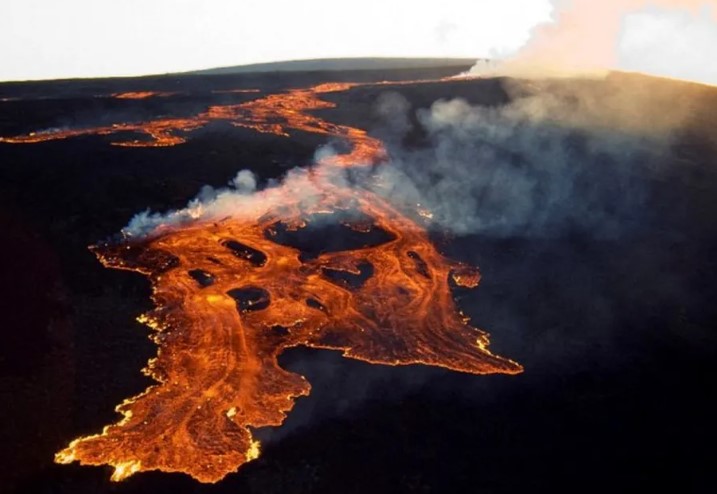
(230, 297)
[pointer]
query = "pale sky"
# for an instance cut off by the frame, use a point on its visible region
(47, 39)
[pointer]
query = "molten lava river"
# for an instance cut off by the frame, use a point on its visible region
(233, 292)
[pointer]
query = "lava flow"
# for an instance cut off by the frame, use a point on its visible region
(232, 292)
(276, 114)
(141, 94)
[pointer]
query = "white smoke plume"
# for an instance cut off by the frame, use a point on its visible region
(239, 199)
(670, 38)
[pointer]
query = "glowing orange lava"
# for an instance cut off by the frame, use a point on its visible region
(275, 114)
(156, 133)
(232, 293)
(141, 94)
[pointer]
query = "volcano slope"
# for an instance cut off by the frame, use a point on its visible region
(593, 229)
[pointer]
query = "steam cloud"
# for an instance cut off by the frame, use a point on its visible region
(670, 38)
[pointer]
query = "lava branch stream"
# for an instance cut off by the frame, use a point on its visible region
(232, 293)
(275, 114)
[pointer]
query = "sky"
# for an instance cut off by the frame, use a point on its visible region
(47, 39)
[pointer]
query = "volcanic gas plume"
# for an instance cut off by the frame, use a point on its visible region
(668, 38)
(233, 291)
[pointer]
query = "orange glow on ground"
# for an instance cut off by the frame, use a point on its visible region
(141, 95)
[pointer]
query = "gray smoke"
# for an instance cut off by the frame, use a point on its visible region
(534, 167)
